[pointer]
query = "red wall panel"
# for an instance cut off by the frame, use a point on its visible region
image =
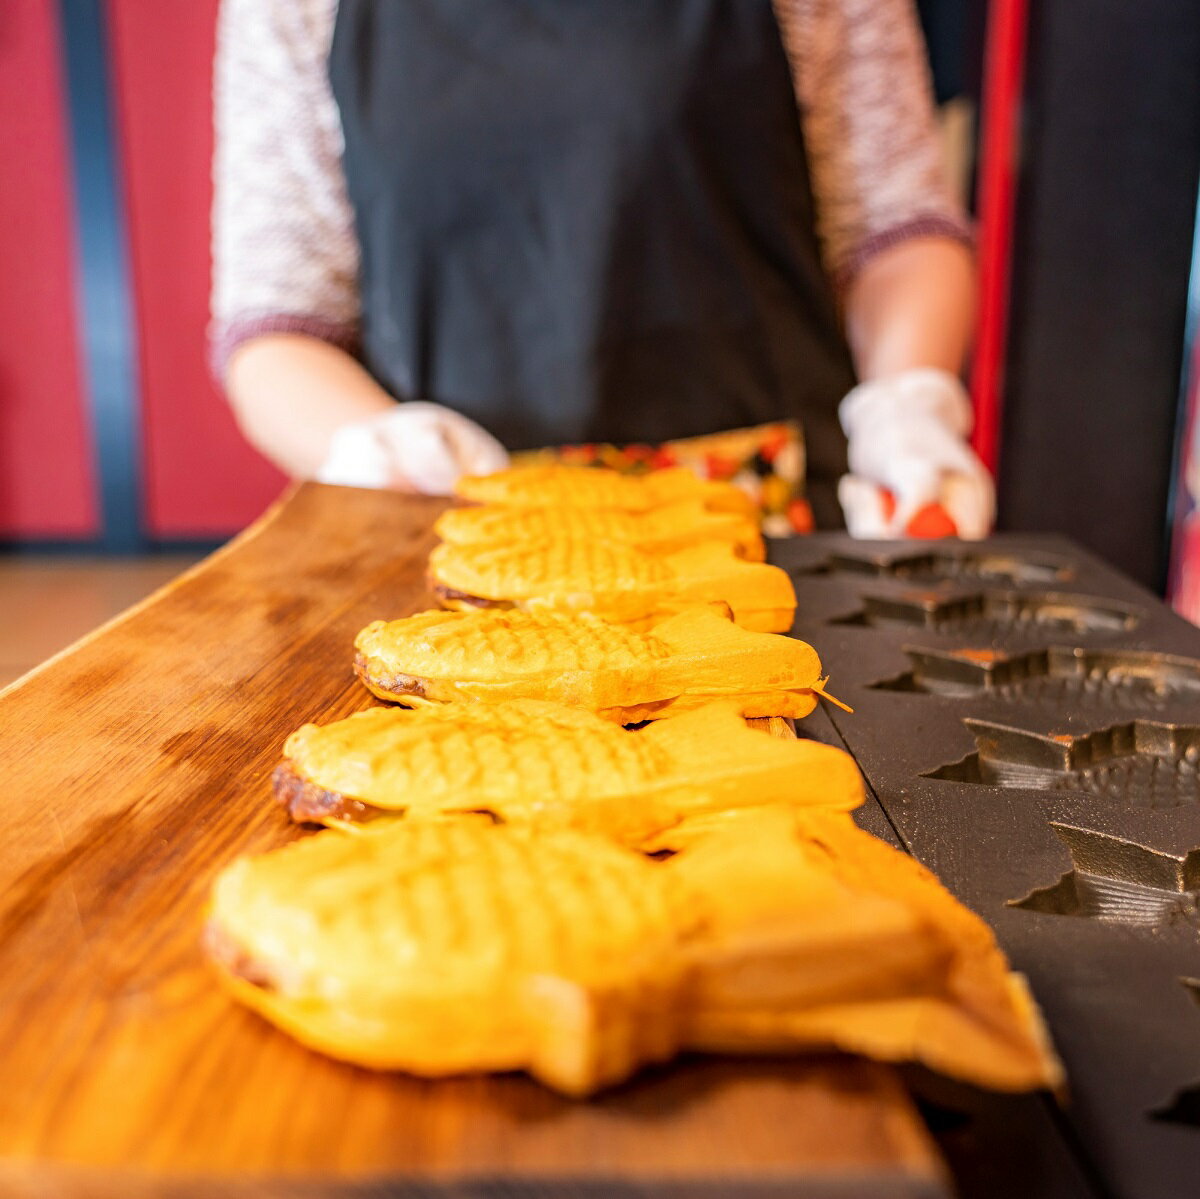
(201, 477)
(46, 479)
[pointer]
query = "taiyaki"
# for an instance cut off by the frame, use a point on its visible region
(661, 530)
(447, 947)
(459, 945)
(818, 934)
(556, 486)
(491, 654)
(614, 581)
(536, 763)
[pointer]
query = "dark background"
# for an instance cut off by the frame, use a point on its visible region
(113, 435)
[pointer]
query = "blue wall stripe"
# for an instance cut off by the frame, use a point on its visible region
(105, 301)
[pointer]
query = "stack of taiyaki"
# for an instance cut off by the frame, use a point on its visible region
(590, 548)
(512, 880)
(659, 531)
(554, 487)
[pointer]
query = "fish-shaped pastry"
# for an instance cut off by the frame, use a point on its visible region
(818, 934)
(660, 530)
(492, 654)
(555, 486)
(459, 945)
(542, 764)
(611, 580)
(439, 948)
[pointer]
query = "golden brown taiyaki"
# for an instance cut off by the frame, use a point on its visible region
(542, 764)
(613, 581)
(447, 947)
(818, 934)
(455, 946)
(661, 530)
(492, 654)
(556, 486)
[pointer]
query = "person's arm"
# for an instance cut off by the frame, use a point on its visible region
(896, 245)
(909, 315)
(285, 305)
(912, 305)
(897, 248)
(292, 392)
(285, 300)
(316, 411)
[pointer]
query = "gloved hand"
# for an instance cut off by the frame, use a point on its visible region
(909, 456)
(416, 447)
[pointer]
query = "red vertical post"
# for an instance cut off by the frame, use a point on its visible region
(47, 483)
(202, 479)
(1004, 68)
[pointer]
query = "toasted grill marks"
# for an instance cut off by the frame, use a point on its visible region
(307, 803)
(492, 655)
(392, 682)
(454, 946)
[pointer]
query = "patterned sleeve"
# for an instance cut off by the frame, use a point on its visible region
(862, 82)
(285, 255)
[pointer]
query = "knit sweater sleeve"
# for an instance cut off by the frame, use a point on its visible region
(285, 252)
(285, 255)
(866, 105)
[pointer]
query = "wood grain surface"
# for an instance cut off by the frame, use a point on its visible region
(136, 765)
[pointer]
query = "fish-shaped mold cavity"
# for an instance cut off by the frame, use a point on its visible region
(1060, 674)
(994, 615)
(1118, 880)
(1140, 763)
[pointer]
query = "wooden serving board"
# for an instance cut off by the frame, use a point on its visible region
(135, 766)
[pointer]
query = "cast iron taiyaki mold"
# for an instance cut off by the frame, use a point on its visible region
(1115, 879)
(1061, 675)
(1140, 763)
(997, 567)
(988, 614)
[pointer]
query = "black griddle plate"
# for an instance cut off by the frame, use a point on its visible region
(1064, 813)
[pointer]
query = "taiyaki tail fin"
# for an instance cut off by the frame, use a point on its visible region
(729, 765)
(762, 597)
(713, 656)
(584, 1038)
(822, 935)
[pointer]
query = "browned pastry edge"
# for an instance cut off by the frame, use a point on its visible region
(394, 684)
(306, 803)
(465, 597)
(223, 949)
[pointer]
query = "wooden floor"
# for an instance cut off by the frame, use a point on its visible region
(47, 602)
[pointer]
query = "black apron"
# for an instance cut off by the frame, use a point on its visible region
(589, 220)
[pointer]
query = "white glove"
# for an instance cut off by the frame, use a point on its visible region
(417, 447)
(907, 436)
